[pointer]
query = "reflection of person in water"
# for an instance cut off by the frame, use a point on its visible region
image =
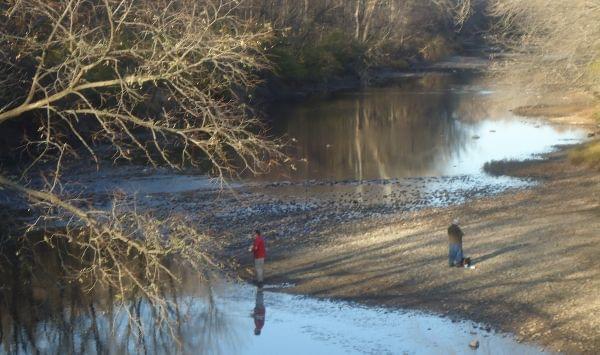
(259, 312)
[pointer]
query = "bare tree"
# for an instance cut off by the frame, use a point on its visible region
(164, 79)
(457, 10)
(553, 44)
(370, 23)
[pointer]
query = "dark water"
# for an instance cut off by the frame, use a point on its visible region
(421, 141)
(433, 125)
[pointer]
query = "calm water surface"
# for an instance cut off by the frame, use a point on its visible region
(300, 325)
(233, 319)
(434, 125)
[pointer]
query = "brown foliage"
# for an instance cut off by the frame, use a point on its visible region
(163, 78)
(554, 45)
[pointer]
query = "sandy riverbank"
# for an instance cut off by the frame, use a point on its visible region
(536, 253)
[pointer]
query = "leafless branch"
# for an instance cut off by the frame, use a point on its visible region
(162, 79)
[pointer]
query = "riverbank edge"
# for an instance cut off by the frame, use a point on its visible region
(275, 90)
(284, 264)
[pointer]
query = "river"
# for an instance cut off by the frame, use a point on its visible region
(418, 142)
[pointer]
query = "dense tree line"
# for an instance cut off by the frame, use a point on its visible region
(555, 45)
(318, 39)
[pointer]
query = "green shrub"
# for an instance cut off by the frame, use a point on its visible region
(333, 55)
(288, 64)
(321, 63)
(348, 52)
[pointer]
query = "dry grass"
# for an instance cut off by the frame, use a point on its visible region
(588, 154)
(504, 167)
(548, 111)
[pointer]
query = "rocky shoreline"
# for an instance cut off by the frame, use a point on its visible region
(535, 251)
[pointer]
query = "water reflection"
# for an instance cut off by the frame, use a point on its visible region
(42, 310)
(423, 126)
(260, 312)
(380, 133)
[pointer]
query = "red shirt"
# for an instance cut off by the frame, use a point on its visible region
(258, 248)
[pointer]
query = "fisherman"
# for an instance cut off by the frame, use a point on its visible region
(455, 249)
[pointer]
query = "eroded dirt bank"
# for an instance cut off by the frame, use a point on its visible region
(536, 253)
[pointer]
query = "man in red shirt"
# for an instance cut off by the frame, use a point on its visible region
(259, 251)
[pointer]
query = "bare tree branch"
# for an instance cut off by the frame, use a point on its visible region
(162, 79)
(554, 45)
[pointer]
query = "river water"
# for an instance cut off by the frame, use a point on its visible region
(421, 141)
(300, 325)
(232, 319)
(434, 125)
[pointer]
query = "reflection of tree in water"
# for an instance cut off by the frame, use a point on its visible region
(407, 130)
(44, 309)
